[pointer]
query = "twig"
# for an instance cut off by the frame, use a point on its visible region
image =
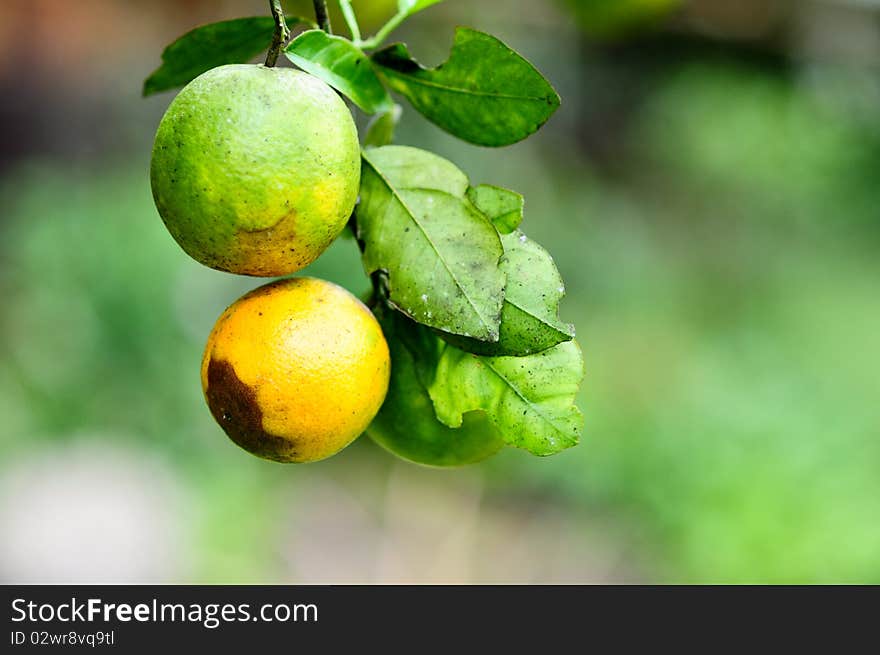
(321, 15)
(280, 35)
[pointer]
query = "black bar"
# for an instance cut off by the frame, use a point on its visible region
(412, 617)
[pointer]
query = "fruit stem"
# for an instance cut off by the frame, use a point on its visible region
(281, 34)
(321, 15)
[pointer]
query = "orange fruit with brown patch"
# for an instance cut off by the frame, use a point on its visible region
(295, 370)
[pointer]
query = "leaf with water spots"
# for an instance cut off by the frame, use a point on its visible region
(530, 313)
(441, 254)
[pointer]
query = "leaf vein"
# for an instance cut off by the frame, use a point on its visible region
(528, 402)
(452, 89)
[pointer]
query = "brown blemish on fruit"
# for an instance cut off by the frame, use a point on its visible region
(235, 407)
(266, 251)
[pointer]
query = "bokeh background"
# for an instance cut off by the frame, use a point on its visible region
(710, 189)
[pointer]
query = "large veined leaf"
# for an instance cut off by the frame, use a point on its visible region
(530, 313)
(342, 65)
(441, 254)
(529, 399)
(484, 93)
(227, 42)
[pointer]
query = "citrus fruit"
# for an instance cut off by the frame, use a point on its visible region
(407, 426)
(295, 370)
(255, 170)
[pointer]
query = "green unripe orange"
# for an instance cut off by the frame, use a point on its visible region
(255, 170)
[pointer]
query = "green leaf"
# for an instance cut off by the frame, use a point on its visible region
(380, 131)
(228, 42)
(440, 253)
(530, 313)
(410, 7)
(342, 65)
(501, 206)
(529, 399)
(484, 93)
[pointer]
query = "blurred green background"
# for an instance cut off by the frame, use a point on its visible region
(710, 189)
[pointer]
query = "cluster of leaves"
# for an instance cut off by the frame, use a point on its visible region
(476, 301)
